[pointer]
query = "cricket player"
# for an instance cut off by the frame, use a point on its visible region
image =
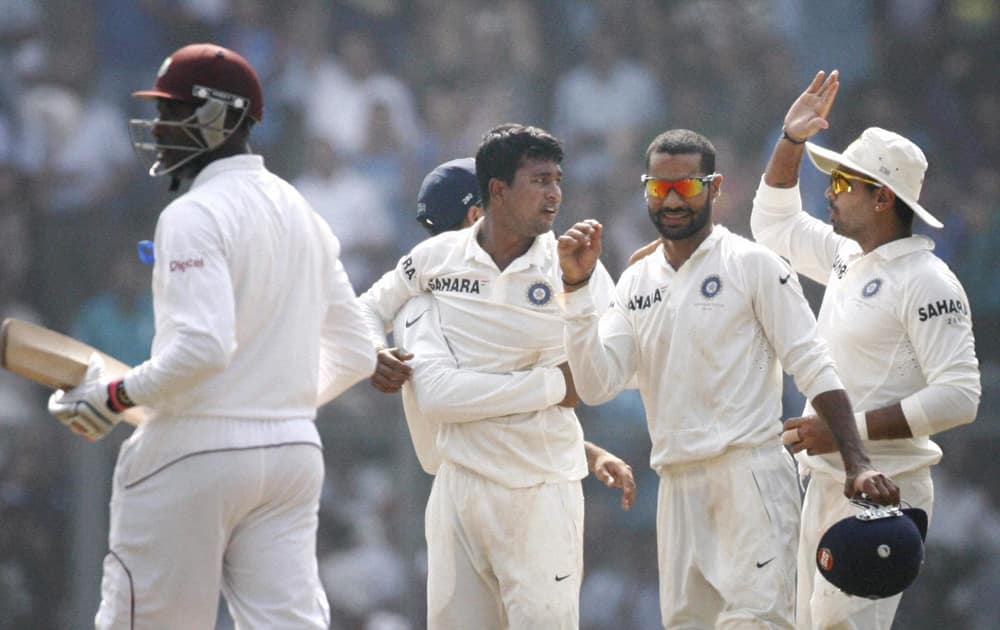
(706, 323)
(504, 521)
(256, 324)
(449, 200)
(895, 317)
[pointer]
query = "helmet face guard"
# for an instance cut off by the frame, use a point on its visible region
(213, 79)
(206, 128)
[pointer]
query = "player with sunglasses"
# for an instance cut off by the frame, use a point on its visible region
(895, 317)
(706, 322)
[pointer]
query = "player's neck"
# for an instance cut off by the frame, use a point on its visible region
(678, 251)
(503, 246)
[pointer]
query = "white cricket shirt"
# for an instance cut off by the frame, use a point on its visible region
(705, 342)
(255, 317)
(494, 322)
(440, 392)
(897, 322)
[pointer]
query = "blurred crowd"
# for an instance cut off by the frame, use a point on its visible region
(362, 98)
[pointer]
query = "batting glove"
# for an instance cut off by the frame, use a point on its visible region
(84, 409)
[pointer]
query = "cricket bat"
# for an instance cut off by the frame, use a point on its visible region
(53, 359)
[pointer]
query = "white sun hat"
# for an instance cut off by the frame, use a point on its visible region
(885, 157)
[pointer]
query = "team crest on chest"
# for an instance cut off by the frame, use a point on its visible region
(540, 293)
(711, 286)
(870, 289)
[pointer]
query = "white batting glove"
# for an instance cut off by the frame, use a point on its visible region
(84, 409)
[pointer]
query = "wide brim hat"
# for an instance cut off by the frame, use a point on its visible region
(885, 157)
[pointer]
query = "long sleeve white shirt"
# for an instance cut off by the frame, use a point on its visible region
(897, 322)
(494, 322)
(705, 342)
(255, 317)
(440, 392)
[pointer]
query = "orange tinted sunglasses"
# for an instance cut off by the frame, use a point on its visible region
(687, 187)
(840, 181)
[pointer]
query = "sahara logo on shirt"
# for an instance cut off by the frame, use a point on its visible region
(539, 293)
(642, 302)
(454, 285)
(711, 286)
(942, 307)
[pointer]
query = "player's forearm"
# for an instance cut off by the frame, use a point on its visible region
(934, 409)
(452, 395)
(834, 408)
(593, 452)
(783, 168)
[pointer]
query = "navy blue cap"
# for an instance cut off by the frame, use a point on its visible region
(874, 554)
(446, 195)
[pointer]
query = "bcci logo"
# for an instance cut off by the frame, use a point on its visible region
(824, 558)
(711, 286)
(539, 294)
(871, 288)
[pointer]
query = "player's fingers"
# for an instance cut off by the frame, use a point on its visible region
(790, 437)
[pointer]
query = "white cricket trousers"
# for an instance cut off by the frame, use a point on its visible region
(821, 604)
(727, 531)
(501, 557)
(243, 521)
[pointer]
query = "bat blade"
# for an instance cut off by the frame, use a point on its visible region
(53, 359)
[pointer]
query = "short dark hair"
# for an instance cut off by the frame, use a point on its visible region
(678, 141)
(504, 149)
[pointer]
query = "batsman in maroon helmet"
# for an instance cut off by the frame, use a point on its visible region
(256, 325)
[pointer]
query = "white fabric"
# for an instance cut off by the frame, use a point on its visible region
(727, 532)
(897, 322)
(245, 522)
(440, 392)
(246, 277)
(256, 323)
(495, 322)
(705, 343)
(821, 605)
(501, 557)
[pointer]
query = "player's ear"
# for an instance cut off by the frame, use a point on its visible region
(496, 187)
(716, 186)
(472, 214)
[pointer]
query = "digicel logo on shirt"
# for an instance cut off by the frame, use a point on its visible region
(184, 265)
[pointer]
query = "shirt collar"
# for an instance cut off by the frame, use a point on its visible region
(715, 236)
(903, 246)
(539, 254)
(244, 161)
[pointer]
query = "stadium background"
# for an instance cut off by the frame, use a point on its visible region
(362, 98)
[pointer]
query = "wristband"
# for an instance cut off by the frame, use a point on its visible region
(581, 282)
(784, 134)
(861, 420)
(118, 400)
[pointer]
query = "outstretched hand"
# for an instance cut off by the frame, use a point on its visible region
(579, 248)
(807, 115)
